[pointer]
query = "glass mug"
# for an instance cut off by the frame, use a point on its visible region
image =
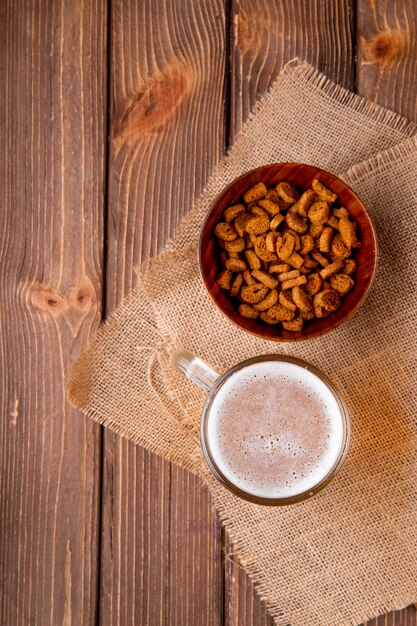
(274, 429)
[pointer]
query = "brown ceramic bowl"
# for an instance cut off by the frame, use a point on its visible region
(301, 176)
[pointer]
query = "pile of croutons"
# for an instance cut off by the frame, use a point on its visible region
(287, 257)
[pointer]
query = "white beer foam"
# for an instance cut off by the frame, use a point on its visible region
(274, 429)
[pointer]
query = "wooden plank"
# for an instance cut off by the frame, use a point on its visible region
(135, 536)
(387, 54)
(242, 604)
(195, 573)
(53, 103)
(161, 552)
(385, 73)
(266, 34)
(406, 617)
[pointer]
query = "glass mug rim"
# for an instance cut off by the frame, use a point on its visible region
(205, 414)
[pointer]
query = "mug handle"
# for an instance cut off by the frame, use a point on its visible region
(195, 369)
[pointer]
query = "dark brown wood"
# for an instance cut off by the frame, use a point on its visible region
(266, 34)
(196, 581)
(405, 617)
(53, 106)
(386, 73)
(135, 546)
(161, 551)
(301, 176)
(243, 605)
(387, 54)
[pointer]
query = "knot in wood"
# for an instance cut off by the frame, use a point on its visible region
(84, 297)
(385, 46)
(154, 103)
(46, 299)
(81, 298)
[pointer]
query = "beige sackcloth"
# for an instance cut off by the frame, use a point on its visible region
(350, 552)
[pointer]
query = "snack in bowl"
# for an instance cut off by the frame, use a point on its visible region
(293, 251)
(287, 254)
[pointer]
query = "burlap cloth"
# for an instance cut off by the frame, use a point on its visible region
(350, 552)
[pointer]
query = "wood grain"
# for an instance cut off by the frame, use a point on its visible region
(387, 54)
(53, 101)
(161, 551)
(196, 579)
(135, 545)
(266, 34)
(242, 603)
(406, 617)
(385, 73)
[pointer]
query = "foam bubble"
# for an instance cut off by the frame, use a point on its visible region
(274, 429)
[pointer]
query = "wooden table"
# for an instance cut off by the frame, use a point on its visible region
(113, 116)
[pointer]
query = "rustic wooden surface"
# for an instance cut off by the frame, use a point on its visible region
(161, 552)
(95, 530)
(53, 107)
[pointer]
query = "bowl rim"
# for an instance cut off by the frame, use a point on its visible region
(259, 333)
